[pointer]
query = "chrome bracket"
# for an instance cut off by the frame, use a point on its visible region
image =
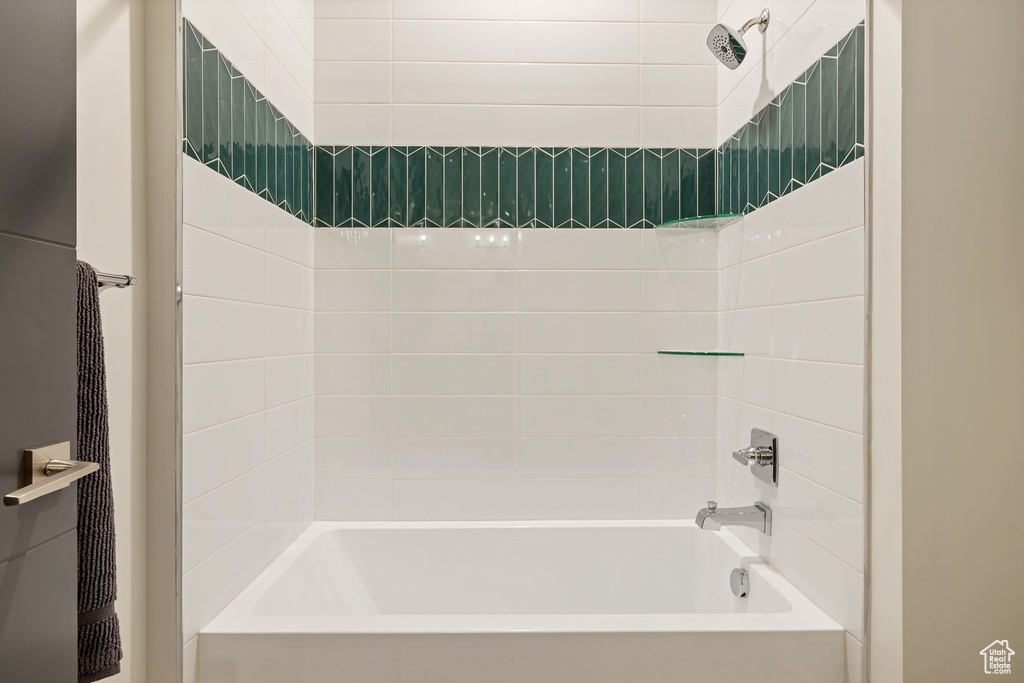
(762, 456)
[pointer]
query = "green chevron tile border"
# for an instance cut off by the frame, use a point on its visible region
(232, 128)
(511, 187)
(814, 126)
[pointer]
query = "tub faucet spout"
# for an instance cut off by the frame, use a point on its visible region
(757, 516)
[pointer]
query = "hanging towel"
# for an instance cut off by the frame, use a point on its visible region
(99, 635)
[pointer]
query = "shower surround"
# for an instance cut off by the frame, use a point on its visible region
(511, 373)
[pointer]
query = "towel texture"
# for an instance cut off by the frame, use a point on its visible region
(99, 635)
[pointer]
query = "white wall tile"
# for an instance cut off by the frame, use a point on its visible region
(579, 42)
(579, 10)
(829, 205)
(289, 519)
(353, 290)
(357, 40)
(454, 332)
(680, 290)
(678, 85)
(678, 249)
(663, 374)
(214, 266)
(454, 416)
(454, 124)
(353, 124)
(579, 416)
(213, 393)
(455, 290)
(677, 126)
(678, 416)
(674, 498)
(288, 473)
(475, 249)
(289, 426)
(455, 458)
(454, 374)
(365, 248)
(674, 11)
(453, 499)
(289, 331)
(353, 458)
(579, 332)
(578, 498)
(349, 416)
(678, 457)
(220, 330)
(579, 291)
(834, 522)
(582, 126)
(595, 84)
(828, 456)
(353, 82)
(582, 374)
(214, 456)
(353, 374)
(352, 499)
(824, 269)
(675, 44)
(454, 9)
(453, 83)
(289, 379)
(352, 9)
(832, 330)
(212, 521)
(829, 393)
(454, 41)
(353, 332)
(579, 457)
(678, 332)
(580, 249)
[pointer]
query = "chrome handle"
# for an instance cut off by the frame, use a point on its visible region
(754, 455)
(48, 469)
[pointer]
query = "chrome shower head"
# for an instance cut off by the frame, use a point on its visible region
(727, 44)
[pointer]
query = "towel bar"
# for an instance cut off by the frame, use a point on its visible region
(107, 280)
(48, 469)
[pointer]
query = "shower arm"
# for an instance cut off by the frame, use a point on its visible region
(760, 21)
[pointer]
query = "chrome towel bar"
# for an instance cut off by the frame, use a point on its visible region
(106, 281)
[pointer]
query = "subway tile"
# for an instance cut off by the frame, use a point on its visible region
(353, 290)
(674, 498)
(352, 9)
(747, 379)
(454, 290)
(353, 374)
(581, 126)
(679, 375)
(578, 43)
(453, 83)
(288, 284)
(453, 41)
(747, 285)
(829, 393)
(688, 127)
(586, 250)
(832, 331)
(686, 457)
(828, 456)
(454, 374)
(213, 393)
(289, 331)
(579, 291)
(678, 332)
(345, 416)
(454, 499)
(682, 290)
(352, 82)
(580, 416)
(368, 458)
(579, 332)
(454, 332)
(679, 249)
(353, 332)
(214, 456)
(579, 10)
(579, 374)
(678, 85)
(453, 124)
(579, 457)
(352, 40)
(219, 330)
(455, 458)
(360, 248)
(454, 9)
(475, 249)
(578, 498)
(579, 84)
(353, 124)
(289, 426)
(345, 500)
(834, 522)
(663, 43)
(289, 378)
(288, 473)
(222, 268)
(454, 416)
(682, 12)
(678, 416)
(824, 269)
(288, 520)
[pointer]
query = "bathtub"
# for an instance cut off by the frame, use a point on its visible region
(515, 602)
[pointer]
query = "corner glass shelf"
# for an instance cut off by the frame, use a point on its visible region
(700, 353)
(711, 222)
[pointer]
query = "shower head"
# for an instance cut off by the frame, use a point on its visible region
(727, 44)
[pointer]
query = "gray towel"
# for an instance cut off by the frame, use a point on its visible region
(99, 635)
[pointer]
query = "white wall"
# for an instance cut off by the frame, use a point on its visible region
(504, 374)
(799, 33)
(624, 73)
(270, 42)
(247, 461)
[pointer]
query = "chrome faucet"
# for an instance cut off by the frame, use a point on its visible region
(757, 516)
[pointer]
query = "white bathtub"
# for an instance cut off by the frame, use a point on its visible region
(513, 602)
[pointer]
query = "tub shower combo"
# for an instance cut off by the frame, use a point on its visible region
(645, 597)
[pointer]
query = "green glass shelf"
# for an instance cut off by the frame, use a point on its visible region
(710, 222)
(700, 353)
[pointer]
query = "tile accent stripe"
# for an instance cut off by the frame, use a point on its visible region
(232, 128)
(512, 187)
(814, 126)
